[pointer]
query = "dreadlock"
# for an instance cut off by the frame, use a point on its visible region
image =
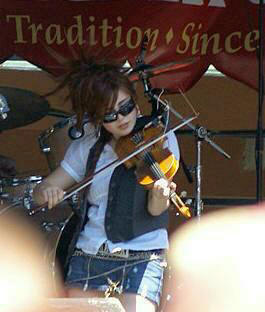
(93, 87)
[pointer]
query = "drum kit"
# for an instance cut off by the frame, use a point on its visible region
(16, 189)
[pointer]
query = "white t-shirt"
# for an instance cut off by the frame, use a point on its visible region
(93, 234)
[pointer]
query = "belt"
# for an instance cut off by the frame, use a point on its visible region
(104, 252)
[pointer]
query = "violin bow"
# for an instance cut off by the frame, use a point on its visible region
(104, 170)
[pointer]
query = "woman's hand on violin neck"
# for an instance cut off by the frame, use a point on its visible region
(159, 196)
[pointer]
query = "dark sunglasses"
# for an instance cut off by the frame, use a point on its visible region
(124, 110)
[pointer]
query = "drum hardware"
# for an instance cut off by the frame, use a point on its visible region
(43, 137)
(7, 167)
(27, 198)
(74, 200)
(45, 141)
(58, 113)
(4, 108)
(17, 191)
(2, 194)
(74, 133)
(5, 197)
(49, 226)
(45, 148)
(52, 226)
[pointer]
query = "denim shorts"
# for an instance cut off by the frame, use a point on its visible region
(116, 276)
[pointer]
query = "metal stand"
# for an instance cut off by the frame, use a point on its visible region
(201, 134)
(259, 136)
(159, 107)
(198, 204)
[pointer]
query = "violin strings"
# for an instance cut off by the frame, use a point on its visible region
(148, 158)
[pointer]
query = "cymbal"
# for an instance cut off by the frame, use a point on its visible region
(25, 107)
(149, 70)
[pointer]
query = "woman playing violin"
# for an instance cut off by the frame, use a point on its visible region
(120, 250)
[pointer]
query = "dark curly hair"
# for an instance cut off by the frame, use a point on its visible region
(93, 86)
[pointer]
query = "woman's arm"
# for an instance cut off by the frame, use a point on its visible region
(51, 189)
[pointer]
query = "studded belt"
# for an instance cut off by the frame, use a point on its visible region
(119, 253)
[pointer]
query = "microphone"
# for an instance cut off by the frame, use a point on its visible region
(4, 108)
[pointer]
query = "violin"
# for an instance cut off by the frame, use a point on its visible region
(152, 163)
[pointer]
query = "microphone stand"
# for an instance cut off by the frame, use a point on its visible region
(259, 137)
(201, 134)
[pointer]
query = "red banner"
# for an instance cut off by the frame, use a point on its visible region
(190, 33)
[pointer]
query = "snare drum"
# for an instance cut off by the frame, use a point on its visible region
(16, 202)
(54, 141)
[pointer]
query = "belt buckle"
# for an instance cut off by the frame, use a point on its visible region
(122, 253)
(78, 252)
(104, 248)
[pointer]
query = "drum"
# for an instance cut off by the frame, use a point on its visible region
(56, 228)
(16, 203)
(54, 141)
(50, 227)
(60, 241)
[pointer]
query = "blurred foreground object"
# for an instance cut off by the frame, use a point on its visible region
(218, 263)
(25, 281)
(84, 305)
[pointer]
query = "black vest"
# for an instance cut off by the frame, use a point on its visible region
(127, 216)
